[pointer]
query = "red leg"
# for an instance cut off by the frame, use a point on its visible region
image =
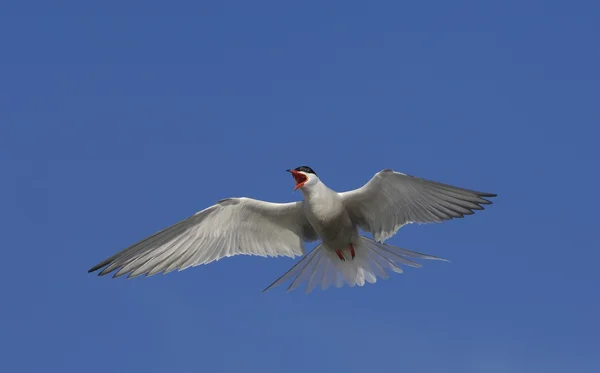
(340, 255)
(352, 251)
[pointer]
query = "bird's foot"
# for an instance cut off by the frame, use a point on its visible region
(340, 255)
(352, 251)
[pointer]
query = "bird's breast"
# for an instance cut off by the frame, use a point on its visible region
(331, 222)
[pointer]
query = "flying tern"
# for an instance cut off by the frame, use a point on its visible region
(246, 226)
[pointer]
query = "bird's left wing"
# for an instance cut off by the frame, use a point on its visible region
(233, 226)
(392, 199)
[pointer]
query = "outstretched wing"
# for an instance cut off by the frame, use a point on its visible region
(233, 226)
(392, 199)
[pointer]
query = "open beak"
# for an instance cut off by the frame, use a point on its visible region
(299, 177)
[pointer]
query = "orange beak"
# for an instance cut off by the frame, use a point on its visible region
(300, 178)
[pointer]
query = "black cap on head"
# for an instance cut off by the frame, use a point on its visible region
(306, 169)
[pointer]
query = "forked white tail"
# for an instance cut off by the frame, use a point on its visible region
(322, 265)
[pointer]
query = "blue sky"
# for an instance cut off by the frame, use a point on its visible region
(119, 120)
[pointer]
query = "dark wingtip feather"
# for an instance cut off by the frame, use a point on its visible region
(487, 202)
(97, 267)
(490, 195)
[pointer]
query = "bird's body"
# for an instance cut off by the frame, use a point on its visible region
(245, 226)
(326, 213)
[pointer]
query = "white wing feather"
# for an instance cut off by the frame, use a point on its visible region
(233, 226)
(391, 200)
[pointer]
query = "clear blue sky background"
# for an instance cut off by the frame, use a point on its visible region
(119, 119)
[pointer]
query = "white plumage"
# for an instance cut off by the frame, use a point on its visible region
(233, 226)
(245, 226)
(392, 199)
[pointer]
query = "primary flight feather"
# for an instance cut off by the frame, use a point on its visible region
(246, 226)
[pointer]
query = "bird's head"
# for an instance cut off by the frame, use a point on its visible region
(304, 177)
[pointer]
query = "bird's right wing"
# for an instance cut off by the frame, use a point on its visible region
(233, 226)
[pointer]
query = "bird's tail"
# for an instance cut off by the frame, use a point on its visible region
(372, 260)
